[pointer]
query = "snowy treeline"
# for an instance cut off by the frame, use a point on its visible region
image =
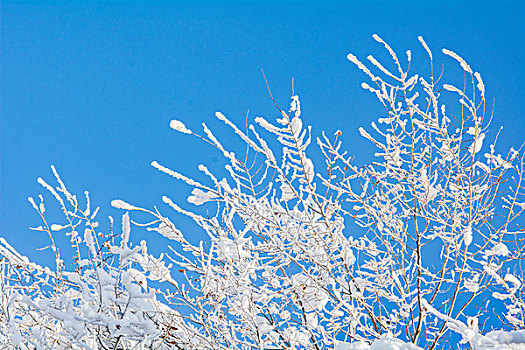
(421, 248)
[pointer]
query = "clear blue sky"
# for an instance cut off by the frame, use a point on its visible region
(91, 86)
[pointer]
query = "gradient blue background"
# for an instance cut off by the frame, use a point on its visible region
(91, 86)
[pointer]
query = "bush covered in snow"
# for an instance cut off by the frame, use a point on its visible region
(414, 250)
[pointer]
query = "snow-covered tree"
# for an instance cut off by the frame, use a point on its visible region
(414, 250)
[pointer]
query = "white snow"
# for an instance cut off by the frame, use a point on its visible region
(179, 126)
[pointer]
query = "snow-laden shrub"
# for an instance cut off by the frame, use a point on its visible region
(414, 250)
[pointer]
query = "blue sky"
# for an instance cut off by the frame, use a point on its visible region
(91, 86)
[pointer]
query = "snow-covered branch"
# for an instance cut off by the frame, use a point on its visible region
(414, 250)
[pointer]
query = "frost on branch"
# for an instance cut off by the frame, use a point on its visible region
(421, 248)
(102, 302)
